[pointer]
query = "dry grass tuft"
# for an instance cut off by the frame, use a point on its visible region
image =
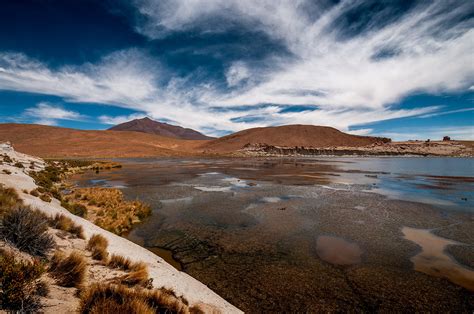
(196, 309)
(138, 277)
(108, 208)
(97, 245)
(9, 199)
(65, 223)
(112, 306)
(26, 229)
(124, 263)
(69, 271)
(117, 298)
(20, 284)
(19, 165)
(45, 198)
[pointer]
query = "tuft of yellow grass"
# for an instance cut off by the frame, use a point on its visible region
(101, 297)
(9, 199)
(107, 208)
(124, 263)
(68, 270)
(136, 278)
(66, 224)
(112, 306)
(20, 284)
(97, 245)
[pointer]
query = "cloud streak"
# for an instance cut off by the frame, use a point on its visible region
(48, 114)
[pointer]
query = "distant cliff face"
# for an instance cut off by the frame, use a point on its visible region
(146, 125)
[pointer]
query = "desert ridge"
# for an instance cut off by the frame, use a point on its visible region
(296, 140)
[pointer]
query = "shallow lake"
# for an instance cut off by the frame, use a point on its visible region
(325, 234)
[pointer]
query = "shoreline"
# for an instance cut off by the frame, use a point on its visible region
(163, 274)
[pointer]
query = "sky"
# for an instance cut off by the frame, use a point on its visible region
(401, 69)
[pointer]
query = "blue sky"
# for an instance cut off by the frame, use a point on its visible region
(403, 69)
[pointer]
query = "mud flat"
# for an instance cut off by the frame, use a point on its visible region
(433, 260)
(306, 235)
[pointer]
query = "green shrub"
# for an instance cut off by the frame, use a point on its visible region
(47, 177)
(19, 165)
(26, 229)
(20, 285)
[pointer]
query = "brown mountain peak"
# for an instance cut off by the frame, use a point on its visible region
(147, 125)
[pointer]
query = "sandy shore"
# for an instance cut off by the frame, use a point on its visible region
(163, 274)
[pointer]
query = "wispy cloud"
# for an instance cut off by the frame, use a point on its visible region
(113, 120)
(433, 133)
(49, 114)
(442, 113)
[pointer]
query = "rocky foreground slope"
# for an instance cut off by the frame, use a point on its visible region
(14, 174)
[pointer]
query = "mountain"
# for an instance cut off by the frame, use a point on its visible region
(49, 141)
(288, 136)
(147, 125)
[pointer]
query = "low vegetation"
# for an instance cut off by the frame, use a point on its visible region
(68, 270)
(112, 298)
(7, 159)
(66, 224)
(108, 208)
(75, 208)
(26, 229)
(97, 245)
(20, 284)
(45, 198)
(136, 278)
(9, 199)
(124, 263)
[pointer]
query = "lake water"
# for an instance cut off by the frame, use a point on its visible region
(326, 234)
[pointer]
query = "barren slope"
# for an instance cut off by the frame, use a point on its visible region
(289, 136)
(146, 125)
(47, 141)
